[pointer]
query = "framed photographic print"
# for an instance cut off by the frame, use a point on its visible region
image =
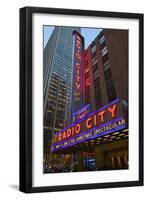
(81, 99)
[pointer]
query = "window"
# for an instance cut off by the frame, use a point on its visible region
(95, 75)
(94, 60)
(102, 39)
(98, 99)
(110, 86)
(95, 68)
(107, 67)
(105, 58)
(87, 94)
(87, 90)
(49, 116)
(111, 93)
(96, 82)
(93, 49)
(94, 54)
(104, 51)
(102, 45)
(106, 63)
(108, 74)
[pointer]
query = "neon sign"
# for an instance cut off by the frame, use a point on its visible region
(104, 121)
(77, 75)
(82, 112)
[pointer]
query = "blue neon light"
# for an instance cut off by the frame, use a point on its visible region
(80, 110)
(92, 113)
(123, 126)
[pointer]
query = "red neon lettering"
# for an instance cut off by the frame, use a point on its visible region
(77, 86)
(78, 51)
(64, 135)
(77, 78)
(88, 125)
(78, 45)
(78, 55)
(78, 65)
(68, 133)
(77, 128)
(78, 37)
(73, 131)
(78, 72)
(59, 137)
(101, 114)
(112, 110)
(94, 117)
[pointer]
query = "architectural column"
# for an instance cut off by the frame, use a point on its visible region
(99, 156)
(80, 159)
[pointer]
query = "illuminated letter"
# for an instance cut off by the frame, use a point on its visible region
(77, 78)
(59, 137)
(101, 114)
(94, 117)
(78, 56)
(77, 128)
(68, 132)
(87, 123)
(78, 71)
(78, 37)
(78, 44)
(78, 65)
(112, 110)
(64, 135)
(77, 86)
(55, 139)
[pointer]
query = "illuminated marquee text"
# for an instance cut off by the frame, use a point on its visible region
(90, 122)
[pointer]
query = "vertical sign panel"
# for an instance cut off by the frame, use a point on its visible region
(77, 75)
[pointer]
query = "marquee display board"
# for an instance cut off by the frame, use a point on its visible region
(106, 120)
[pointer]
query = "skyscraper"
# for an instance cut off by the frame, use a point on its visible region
(57, 84)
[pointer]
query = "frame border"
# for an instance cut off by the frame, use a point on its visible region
(25, 99)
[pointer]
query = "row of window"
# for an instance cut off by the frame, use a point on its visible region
(87, 94)
(97, 89)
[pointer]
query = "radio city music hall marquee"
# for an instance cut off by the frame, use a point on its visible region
(108, 119)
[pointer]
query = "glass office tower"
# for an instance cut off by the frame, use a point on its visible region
(57, 88)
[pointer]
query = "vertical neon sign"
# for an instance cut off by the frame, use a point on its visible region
(77, 75)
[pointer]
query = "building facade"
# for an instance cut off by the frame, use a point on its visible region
(105, 72)
(106, 68)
